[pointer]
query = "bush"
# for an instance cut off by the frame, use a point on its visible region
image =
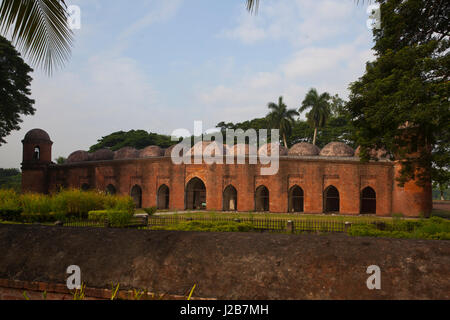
(98, 215)
(433, 228)
(208, 226)
(119, 218)
(150, 211)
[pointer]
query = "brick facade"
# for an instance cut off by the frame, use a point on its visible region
(313, 174)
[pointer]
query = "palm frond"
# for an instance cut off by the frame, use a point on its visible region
(252, 6)
(39, 30)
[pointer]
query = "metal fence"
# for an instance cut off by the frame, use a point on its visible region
(258, 224)
(268, 224)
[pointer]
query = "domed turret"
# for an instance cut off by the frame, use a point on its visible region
(37, 147)
(126, 153)
(102, 155)
(151, 151)
(266, 150)
(78, 156)
(304, 149)
(337, 149)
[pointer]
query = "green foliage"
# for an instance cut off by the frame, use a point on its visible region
(401, 102)
(281, 118)
(150, 211)
(208, 226)
(11, 179)
(62, 206)
(98, 215)
(434, 228)
(15, 89)
(319, 110)
(138, 139)
(119, 218)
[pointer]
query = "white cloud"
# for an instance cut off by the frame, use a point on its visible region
(301, 22)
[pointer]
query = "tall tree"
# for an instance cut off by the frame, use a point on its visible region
(39, 30)
(319, 105)
(14, 89)
(401, 103)
(282, 118)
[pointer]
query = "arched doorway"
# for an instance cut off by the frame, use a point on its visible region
(296, 199)
(111, 190)
(195, 195)
(368, 201)
(163, 197)
(136, 194)
(85, 187)
(230, 199)
(331, 199)
(262, 199)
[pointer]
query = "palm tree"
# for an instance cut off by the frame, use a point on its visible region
(39, 29)
(281, 118)
(320, 109)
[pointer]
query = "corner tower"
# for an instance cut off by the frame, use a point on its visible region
(37, 156)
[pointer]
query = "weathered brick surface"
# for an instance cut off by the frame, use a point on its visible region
(312, 174)
(225, 265)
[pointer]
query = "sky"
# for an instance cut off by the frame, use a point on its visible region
(160, 65)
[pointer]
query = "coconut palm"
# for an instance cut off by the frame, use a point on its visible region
(39, 29)
(320, 109)
(281, 118)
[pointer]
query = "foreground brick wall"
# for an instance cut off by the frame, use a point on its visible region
(227, 265)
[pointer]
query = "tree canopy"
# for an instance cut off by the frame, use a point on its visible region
(138, 139)
(401, 103)
(14, 89)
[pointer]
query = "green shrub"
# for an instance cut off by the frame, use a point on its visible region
(433, 228)
(119, 218)
(208, 226)
(150, 211)
(98, 215)
(36, 204)
(10, 207)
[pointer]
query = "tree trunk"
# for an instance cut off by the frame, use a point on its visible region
(284, 139)
(315, 135)
(442, 195)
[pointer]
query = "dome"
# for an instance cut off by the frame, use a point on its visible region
(126, 153)
(304, 149)
(266, 150)
(209, 148)
(337, 149)
(78, 156)
(102, 154)
(375, 154)
(241, 149)
(168, 151)
(37, 134)
(151, 151)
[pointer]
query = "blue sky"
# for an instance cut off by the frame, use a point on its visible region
(158, 65)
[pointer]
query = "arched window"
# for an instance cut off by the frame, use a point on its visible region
(296, 199)
(331, 199)
(230, 199)
(136, 194)
(110, 189)
(195, 195)
(262, 199)
(37, 153)
(368, 201)
(163, 197)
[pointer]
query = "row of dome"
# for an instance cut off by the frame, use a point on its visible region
(333, 149)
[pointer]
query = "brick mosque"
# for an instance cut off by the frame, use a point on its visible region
(309, 180)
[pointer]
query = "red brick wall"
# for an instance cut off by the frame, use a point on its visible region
(313, 176)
